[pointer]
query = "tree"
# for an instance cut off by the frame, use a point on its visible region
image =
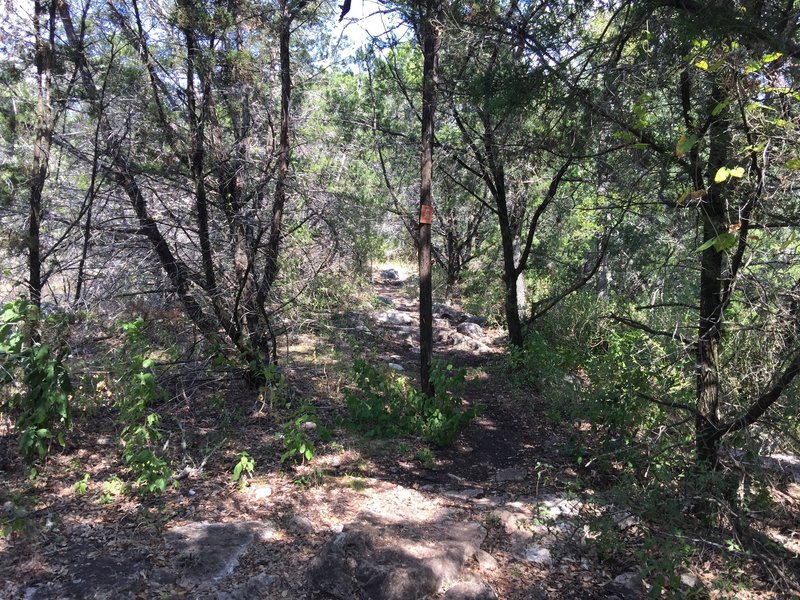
(703, 124)
(430, 32)
(44, 36)
(217, 133)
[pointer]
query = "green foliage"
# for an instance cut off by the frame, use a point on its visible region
(243, 470)
(536, 363)
(426, 458)
(387, 405)
(112, 488)
(296, 441)
(273, 391)
(662, 561)
(136, 389)
(39, 400)
(82, 485)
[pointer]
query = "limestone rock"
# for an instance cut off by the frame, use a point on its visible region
(690, 580)
(472, 330)
(393, 317)
(466, 494)
(258, 586)
(302, 524)
(442, 311)
(486, 561)
(477, 320)
(537, 554)
(627, 586)
(210, 551)
(470, 590)
(511, 474)
(393, 561)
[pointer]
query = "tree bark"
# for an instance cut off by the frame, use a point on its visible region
(713, 211)
(284, 147)
(41, 145)
(431, 42)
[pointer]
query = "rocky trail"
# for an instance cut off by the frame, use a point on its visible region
(495, 516)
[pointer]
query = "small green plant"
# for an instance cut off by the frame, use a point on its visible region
(492, 521)
(111, 489)
(39, 406)
(137, 388)
(273, 391)
(243, 470)
(152, 472)
(426, 458)
(355, 483)
(387, 405)
(82, 485)
(296, 441)
(311, 479)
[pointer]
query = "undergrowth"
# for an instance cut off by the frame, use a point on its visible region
(386, 404)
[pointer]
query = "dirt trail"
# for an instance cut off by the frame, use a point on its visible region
(508, 433)
(205, 538)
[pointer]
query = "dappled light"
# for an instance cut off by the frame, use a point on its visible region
(399, 300)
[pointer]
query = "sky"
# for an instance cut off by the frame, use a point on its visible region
(367, 18)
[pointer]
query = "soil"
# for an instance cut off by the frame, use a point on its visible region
(503, 471)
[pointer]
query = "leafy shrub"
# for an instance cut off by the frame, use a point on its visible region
(386, 405)
(296, 441)
(243, 470)
(39, 405)
(536, 363)
(136, 389)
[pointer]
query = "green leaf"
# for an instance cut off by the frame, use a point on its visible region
(793, 164)
(724, 173)
(701, 64)
(685, 144)
(720, 107)
(720, 243)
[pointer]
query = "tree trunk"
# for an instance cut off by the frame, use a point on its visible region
(175, 268)
(197, 159)
(284, 148)
(510, 271)
(431, 42)
(713, 211)
(41, 144)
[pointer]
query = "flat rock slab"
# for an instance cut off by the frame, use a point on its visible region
(511, 474)
(394, 317)
(394, 559)
(470, 590)
(465, 494)
(259, 586)
(209, 552)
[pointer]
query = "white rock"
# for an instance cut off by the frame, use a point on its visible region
(538, 555)
(690, 580)
(262, 492)
(393, 317)
(485, 561)
(473, 330)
